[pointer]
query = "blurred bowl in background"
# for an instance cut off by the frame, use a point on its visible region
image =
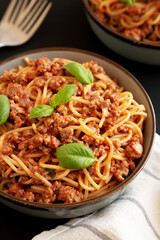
(140, 51)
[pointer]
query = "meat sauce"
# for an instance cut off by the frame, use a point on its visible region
(55, 130)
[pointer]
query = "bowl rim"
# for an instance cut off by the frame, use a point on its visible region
(118, 187)
(115, 33)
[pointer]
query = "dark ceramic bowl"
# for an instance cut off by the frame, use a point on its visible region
(140, 51)
(124, 79)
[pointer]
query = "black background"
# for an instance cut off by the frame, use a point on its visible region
(67, 26)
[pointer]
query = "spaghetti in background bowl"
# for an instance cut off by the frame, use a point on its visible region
(144, 51)
(125, 79)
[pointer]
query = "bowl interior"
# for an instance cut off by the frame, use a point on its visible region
(114, 70)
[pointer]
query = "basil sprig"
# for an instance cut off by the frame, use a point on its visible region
(61, 97)
(4, 108)
(41, 111)
(75, 156)
(82, 74)
(131, 2)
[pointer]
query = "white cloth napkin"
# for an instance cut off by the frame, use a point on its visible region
(134, 216)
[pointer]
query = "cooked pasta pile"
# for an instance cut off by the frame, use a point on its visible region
(100, 115)
(140, 22)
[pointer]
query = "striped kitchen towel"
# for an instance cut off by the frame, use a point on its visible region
(134, 216)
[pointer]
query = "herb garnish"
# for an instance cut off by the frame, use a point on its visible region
(61, 97)
(75, 156)
(4, 109)
(131, 2)
(82, 74)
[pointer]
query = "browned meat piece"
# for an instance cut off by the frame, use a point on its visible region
(134, 33)
(69, 194)
(12, 77)
(7, 149)
(39, 82)
(79, 88)
(66, 134)
(120, 171)
(19, 95)
(18, 191)
(57, 67)
(62, 121)
(48, 196)
(134, 150)
(94, 67)
(57, 82)
(91, 141)
(63, 110)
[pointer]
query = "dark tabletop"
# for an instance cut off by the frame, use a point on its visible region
(66, 26)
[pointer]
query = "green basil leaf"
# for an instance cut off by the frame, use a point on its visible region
(41, 111)
(75, 156)
(51, 172)
(131, 2)
(82, 74)
(4, 108)
(51, 102)
(63, 95)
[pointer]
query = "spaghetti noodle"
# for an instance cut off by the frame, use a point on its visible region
(140, 22)
(100, 115)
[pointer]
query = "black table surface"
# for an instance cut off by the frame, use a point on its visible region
(67, 26)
